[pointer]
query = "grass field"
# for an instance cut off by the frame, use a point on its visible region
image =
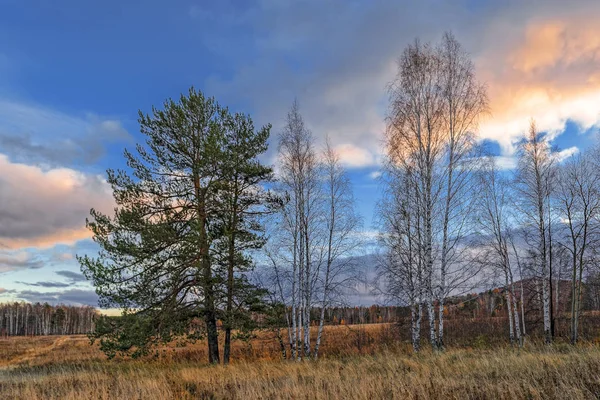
(358, 363)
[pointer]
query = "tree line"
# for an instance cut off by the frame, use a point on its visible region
(34, 319)
(203, 231)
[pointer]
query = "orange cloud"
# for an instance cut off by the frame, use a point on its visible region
(354, 156)
(549, 72)
(60, 236)
(42, 208)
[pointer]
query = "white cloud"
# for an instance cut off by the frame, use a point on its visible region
(506, 162)
(375, 174)
(566, 153)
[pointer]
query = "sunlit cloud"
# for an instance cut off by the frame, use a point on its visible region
(41, 208)
(551, 72)
(354, 156)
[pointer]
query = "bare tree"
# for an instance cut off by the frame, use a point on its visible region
(534, 185)
(414, 142)
(299, 179)
(517, 258)
(465, 100)
(315, 232)
(401, 269)
(494, 215)
(579, 205)
(435, 104)
(341, 224)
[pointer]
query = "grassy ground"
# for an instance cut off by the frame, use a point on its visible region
(358, 364)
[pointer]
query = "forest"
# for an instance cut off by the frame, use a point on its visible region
(27, 319)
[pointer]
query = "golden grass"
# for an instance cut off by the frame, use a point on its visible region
(68, 368)
(341, 340)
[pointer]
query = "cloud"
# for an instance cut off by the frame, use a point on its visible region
(354, 156)
(375, 174)
(566, 153)
(546, 68)
(69, 297)
(14, 261)
(61, 257)
(46, 284)
(72, 276)
(506, 162)
(43, 207)
(35, 134)
(337, 58)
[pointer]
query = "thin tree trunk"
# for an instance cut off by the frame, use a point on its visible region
(511, 331)
(230, 276)
(416, 326)
(550, 274)
(210, 317)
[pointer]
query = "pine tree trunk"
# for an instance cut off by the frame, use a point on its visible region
(230, 273)
(213, 338)
(227, 346)
(210, 317)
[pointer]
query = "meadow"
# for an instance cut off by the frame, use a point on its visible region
(358, 362)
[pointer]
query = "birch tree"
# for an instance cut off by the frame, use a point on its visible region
(465, 100)
(313, 236)
(27, 319)
(400, 271)
(494, 216)
(342, 226)
(414, 142)
(435, 105)
(298, 169)
(534, 178)
(579, 205)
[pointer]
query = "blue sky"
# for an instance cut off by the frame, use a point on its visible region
(73, 75)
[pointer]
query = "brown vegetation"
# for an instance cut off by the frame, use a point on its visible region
(358, 362)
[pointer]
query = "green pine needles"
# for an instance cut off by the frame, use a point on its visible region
(175, 254)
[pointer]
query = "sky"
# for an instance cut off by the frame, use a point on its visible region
(73, 75)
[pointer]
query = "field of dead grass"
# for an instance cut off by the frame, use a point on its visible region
(358, 363)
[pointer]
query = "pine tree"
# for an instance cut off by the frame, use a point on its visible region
(244, 201)
(161, 253)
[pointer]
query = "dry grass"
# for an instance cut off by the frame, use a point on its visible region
(357, 364)
(341, 340)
